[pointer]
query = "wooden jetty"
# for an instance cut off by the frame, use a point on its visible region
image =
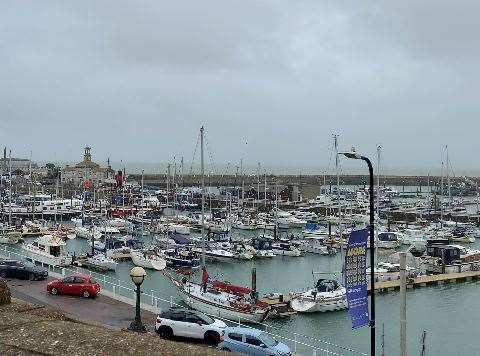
(423, 281)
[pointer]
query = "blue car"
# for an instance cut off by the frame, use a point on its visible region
(252, 342)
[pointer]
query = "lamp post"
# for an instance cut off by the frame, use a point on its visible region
(138, 275)
(354, 155)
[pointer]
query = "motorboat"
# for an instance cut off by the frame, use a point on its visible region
(87, 233)
(385, 271)
(148, 259)
(102, 261)
(305, 215)
(120, 224)
(48, 249)
(8, 235)
(244, 225)
(328, 295)
(178, 229)
(462, 235)
(286, 249)
(261, 248)
(181, 258)
(389, 240)
(217, 254)
(312, 244)
(286, 220)
(414, 236)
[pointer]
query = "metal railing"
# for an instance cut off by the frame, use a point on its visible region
(120, 290)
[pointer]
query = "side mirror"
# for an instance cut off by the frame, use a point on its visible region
(263, 345)
(200, 322)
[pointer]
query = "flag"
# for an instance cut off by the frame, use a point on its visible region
(356, 278)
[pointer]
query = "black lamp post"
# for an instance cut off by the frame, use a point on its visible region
(354, 155)
(138, 275)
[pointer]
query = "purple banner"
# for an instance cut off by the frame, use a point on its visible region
(356, 278)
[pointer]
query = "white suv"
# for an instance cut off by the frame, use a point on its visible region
(189, 323)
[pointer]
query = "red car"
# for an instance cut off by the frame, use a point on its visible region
(75, 284)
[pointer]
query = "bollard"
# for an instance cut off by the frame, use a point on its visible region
(63, 271)
(156, 303)
(171, 301)
(152, 297)
(314, 353)
(114, 289)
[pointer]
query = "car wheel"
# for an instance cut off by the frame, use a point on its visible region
(211, 338)
(3, 274)
(86, 294)
(226, 349)
(54, 291)
(165, 332)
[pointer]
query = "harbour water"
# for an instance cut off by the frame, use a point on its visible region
(434, 309)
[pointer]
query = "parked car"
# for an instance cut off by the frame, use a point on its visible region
(75, 284)
(189, 323)
(21, 270)
(251, 341)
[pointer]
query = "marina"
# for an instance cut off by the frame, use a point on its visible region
(256, 178)
(274, 237)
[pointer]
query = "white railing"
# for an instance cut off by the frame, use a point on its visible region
(120, 290)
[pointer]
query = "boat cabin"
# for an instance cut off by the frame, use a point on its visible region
(387, 237)
(447, 253)
(262, 244)
(326, 285)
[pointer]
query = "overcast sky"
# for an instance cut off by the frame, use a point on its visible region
(270, 80)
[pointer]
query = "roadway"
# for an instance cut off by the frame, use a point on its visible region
(102, 309)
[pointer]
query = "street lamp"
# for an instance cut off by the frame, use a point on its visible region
(354, 155)
(138, 275)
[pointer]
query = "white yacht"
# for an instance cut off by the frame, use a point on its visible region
(120, 224)
(103, 261)
(87, 233)
(385, 271)
(286, 249)
(49, 249)
(389, 240)
(8, 235)
(286, 220)
(219, 301)
(316, 245)
(328, 295)
(148, 259)
(244, 225)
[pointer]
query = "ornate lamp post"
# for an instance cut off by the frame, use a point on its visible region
(138, 275)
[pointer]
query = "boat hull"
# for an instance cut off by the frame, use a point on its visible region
(218, 310)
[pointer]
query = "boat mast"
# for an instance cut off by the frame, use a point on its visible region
(379, 148)
(258, 184)
(448, 178)
(142, 203)
(440, 197)
(203, 196)
(265, 189)
(10, 192)
(174, 186)
(168, 182)
(243, 179)
(335, 143)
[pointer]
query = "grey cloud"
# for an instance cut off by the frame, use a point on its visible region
(136, 80)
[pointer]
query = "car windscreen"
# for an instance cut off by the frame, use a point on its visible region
(267, 340)
(207, 319)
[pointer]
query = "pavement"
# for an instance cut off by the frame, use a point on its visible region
(101, 310)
